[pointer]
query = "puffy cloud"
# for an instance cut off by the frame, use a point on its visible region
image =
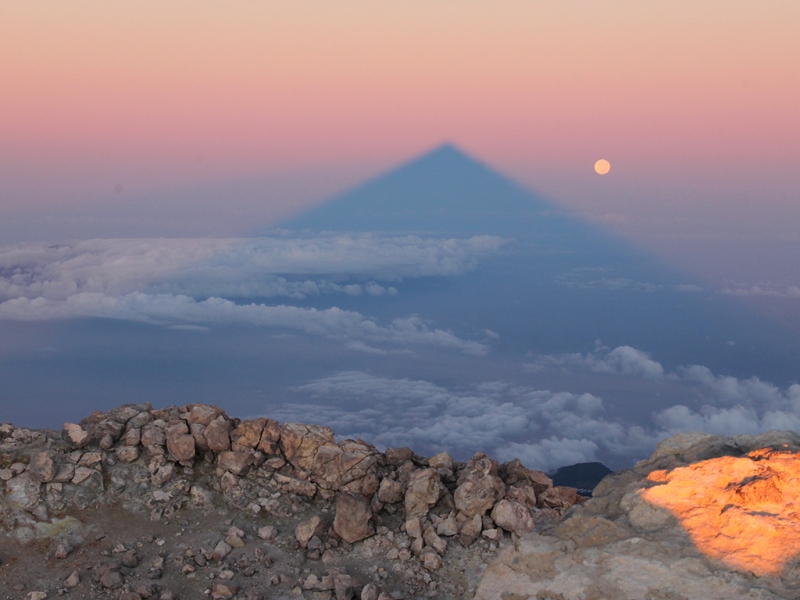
(165, 309)
(623, 360)
(550, 453)
(789, 291)
(544, 428)
(235, 268)
(203, 282)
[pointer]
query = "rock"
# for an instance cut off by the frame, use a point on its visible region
(423, 491)
(353, 518)
(558, 497)
(390, 491)
(479, 486)
(82, 474)
(514, 472)
(470, 530)
(36, 596)
(413, 527)
(397, 456)
(300, 443)
(270, 438)
(130, 596)
(140, 420)
(127, 454)
(522, 493)
(513, 517)
(64, 473)
(448, 527)
(24, 491)
(63, 550)
(344, 466)
(221, 550)
(431, 561)
(237, 463)
(180, 443)
(199, 434)
(73, 580)
(132, 437)
(145, 590)
(308, 529)
(296, 486)
(202, 414)
(267, 532)
(224, 589)
(42, 466)
(434, 541)
(235, 538)
(130, 560)
(90, 459)
(247, 435)
(111, 580)
(154, 438)
(441, 461)
(201, 497)
(75, 435)
(217, 434)
(369, 592)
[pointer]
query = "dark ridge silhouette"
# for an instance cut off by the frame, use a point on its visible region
(583, 476)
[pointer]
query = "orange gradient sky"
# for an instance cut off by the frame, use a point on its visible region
(694, 103)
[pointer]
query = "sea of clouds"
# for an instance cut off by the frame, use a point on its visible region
(543, 428)
(208, 282)
(259, 282)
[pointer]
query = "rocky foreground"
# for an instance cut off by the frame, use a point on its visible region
(186, 502)
(705, 517)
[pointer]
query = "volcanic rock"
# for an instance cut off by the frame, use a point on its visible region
(479, 486)
(424, 490)
(353, 518)
(512, 516)
(300, 443)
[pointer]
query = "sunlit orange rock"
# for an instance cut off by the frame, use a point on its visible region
(742, 511)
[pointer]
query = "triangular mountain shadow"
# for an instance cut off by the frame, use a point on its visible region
(447, 192)
(563, 284)
(443, 191)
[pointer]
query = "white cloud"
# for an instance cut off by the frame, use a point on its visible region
(593, 278)
(165, 309)
(687, 288)
(550, 453)
(789, 291)
(205, 282)
(623, 360)
(235, 268)
(545, 429)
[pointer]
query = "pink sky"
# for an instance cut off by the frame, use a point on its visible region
(695, 102)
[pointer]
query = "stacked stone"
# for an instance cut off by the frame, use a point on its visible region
(139, 456)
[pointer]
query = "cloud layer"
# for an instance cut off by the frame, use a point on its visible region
(544, 428)
(206, 282)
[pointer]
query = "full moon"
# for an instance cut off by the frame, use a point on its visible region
(602, 166)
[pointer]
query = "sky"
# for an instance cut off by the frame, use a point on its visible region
(206, 124)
